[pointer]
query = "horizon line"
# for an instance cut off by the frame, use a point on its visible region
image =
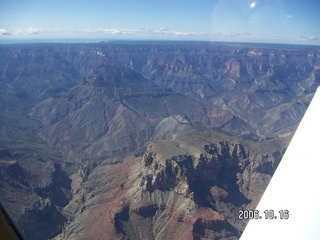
(104, 40)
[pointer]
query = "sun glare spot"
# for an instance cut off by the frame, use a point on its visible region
(253, 4)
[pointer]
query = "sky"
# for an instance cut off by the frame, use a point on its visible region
(275, 21)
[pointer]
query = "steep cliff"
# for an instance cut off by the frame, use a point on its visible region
(189, 187)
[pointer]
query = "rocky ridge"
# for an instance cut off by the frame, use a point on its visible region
(191, 186)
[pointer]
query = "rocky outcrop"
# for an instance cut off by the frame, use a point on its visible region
(216, 176)
(189, 187)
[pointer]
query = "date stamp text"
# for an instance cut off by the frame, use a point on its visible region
(266, 214)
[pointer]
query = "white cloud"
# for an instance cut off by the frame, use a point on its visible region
(185, 33)
(246, 37)
(138, 32)
(4, 31)
(308, 38)
(21, 31)
(32, 30)
(159, 33)
(165, 31)
(233, 34)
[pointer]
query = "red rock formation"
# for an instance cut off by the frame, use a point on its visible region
(162, 195)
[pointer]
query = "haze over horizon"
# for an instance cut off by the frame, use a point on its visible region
(267, 21)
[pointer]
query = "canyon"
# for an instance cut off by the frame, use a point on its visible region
(145, 140)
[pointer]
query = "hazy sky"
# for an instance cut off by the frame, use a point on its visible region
(288, 21)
